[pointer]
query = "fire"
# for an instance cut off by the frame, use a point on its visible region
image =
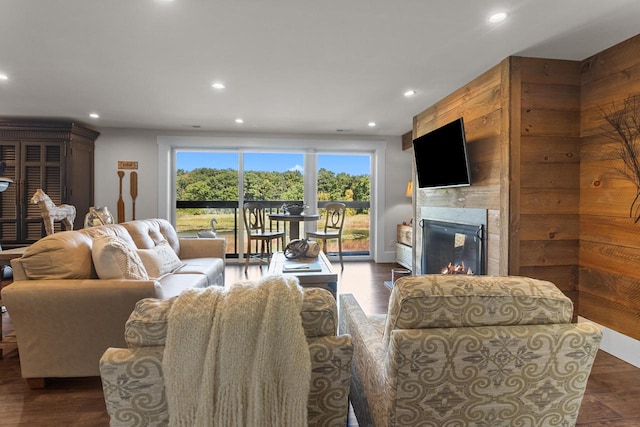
(456, 269)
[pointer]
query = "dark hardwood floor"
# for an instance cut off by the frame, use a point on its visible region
(612, 397)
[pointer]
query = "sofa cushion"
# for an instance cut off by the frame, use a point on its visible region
(114, 258)
(174, 284)
(213, 268)
(147, 233)
(64, 255)
(449, 301)
(108, 230)
(159, 260)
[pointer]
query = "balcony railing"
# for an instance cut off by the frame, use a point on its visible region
(229, 222)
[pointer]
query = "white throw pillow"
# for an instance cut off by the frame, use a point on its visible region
(160, 260)
(113, 258)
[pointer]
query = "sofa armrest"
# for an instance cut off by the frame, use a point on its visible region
(64, 326)
(202, 248)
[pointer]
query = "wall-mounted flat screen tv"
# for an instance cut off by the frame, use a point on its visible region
(441, 157)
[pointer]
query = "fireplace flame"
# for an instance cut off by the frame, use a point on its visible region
(456, 269)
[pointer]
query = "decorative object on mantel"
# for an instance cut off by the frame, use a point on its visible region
(97, 216)
(52, 213)
(624, 128)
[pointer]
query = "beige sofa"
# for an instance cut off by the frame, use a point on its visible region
(73, 291)
(133, 382)
(469, 351)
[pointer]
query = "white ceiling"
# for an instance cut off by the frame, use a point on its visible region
(290, 66)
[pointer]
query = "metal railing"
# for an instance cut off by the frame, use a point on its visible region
(271, 206)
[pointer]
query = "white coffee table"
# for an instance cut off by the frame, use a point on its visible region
(313, 272)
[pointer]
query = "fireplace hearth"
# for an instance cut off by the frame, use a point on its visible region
(452, 248)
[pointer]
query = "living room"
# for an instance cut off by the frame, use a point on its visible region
(554, 209)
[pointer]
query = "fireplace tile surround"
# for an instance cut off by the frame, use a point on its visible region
(469, 218)
(452, 247)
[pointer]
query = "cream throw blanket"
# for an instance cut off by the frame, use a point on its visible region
(238, 356)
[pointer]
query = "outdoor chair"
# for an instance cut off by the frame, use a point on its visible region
(254, 222)
(333, 224)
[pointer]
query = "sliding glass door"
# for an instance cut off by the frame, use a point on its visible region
(207, 195)
(347, 178)
(212, 185)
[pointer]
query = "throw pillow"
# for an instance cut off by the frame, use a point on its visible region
(115, 259)
(64, 255)
(160, 260)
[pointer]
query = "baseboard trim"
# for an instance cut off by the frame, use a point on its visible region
(617, 344)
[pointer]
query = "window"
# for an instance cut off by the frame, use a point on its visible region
(310, 149)
(347, 178)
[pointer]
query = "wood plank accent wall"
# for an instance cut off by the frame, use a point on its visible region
(545, 173)
(522, 120)
(609, 275)
(481, 104)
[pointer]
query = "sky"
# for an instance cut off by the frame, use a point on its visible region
(273, 162)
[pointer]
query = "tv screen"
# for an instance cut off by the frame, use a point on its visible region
(441, 157)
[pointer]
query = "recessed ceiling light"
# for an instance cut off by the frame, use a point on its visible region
(218, 85)
(372, 124)
(410, 92)
(239, 120)
(94, 115)
(498, 17)
(4, 77)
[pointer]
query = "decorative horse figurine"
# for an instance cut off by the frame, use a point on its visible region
(52, 213)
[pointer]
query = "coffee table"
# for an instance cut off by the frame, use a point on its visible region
(311, 272)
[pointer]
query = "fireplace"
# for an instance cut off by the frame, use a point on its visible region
(452, 248)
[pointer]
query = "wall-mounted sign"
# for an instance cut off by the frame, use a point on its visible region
(126, 164)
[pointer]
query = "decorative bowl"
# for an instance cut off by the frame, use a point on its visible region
(294, 209)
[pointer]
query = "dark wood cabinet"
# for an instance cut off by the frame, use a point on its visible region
(56, 156)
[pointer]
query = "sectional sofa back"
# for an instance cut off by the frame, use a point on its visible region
(67, 254)
(148, 233)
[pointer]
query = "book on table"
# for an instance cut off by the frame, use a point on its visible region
(301, 267)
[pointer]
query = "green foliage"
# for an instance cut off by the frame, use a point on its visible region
(204, 184)
(207, 184)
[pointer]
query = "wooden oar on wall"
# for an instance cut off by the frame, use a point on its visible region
(120, 199)
(134, 191)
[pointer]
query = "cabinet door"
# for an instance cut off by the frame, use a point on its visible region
(43, 166)
(80, 179)
(9, 199)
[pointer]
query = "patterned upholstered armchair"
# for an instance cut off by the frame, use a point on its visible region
(132, 378)
(469, 351)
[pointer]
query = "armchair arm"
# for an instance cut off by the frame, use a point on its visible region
(370, 384)
(202, 248)
(133, 385)
(64, 326)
